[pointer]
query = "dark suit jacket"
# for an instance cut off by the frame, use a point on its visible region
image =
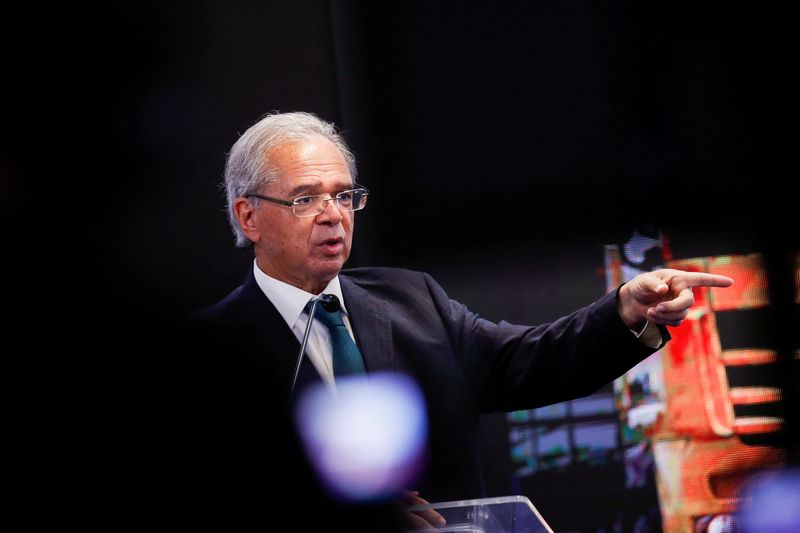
(403, 321)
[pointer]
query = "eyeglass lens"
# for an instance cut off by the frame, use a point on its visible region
(352, 200)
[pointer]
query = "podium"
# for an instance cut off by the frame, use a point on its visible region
(507, 514)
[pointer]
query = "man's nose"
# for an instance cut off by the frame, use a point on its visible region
(331, 213)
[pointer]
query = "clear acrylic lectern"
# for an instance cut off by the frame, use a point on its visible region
(508, 514)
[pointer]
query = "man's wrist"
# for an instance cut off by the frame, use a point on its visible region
(649, 335)
(638, 331)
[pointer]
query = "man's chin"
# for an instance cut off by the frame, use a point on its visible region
(329, 268)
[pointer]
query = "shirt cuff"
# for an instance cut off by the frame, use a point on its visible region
(649, 335)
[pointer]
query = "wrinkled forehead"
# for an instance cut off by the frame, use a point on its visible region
(304, 166)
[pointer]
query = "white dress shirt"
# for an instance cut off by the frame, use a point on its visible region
(290, 302)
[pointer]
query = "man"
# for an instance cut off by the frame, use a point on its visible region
(292, 196)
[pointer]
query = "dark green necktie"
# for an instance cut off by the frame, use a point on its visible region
(346, 355)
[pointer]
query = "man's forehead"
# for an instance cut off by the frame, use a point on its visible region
(310, 157)
(312, 186)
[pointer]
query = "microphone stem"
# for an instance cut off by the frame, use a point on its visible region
(303, 344)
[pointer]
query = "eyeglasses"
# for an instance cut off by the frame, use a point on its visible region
(311, 206)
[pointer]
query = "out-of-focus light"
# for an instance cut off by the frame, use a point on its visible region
(722, 523)
(772, 504)
(367, 440)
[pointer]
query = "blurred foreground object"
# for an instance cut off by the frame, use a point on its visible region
(367, 440)
(773, 504)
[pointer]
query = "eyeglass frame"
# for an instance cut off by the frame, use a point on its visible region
(293, 203)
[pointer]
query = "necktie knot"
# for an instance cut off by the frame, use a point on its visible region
(330, 319)
(347, 357)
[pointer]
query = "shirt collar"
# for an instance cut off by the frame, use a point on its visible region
(289, 300)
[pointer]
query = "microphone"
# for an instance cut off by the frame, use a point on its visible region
(331, 304)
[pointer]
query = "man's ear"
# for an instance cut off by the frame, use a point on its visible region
(246, 215)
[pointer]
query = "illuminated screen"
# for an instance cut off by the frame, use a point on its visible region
(593, 405)
(669, 445)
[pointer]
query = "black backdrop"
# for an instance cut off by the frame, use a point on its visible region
(515, 129)
(504, 145)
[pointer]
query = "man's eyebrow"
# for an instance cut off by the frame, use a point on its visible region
(305, 187)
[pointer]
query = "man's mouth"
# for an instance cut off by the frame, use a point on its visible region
(333, 246)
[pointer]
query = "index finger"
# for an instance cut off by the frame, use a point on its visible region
(701, 279)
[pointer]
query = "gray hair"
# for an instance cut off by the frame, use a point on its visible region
(248, 167)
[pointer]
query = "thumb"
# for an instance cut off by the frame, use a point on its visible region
(654, 284)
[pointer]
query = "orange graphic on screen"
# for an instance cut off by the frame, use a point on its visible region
(707, 435)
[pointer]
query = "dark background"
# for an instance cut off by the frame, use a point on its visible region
(492, 137)
(489, 135)
(503, 146)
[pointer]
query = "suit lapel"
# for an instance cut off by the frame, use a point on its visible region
(369, 317)
(372, 326)
(269, 331)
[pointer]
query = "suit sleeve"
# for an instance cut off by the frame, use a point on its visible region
(515, 367)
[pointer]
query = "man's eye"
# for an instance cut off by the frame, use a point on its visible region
(304, 200)
(346, 196)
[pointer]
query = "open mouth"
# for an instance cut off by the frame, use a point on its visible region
(333, 246)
